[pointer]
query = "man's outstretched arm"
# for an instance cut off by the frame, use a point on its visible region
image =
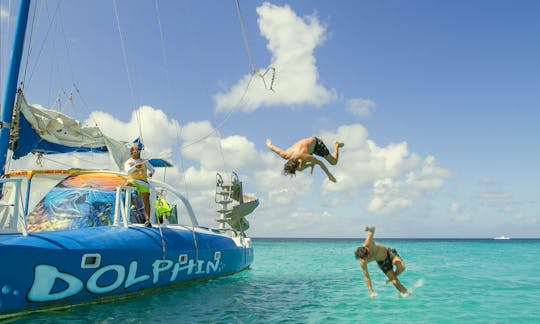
(369, 237)
(276, 149)
(315, 161)
(365, 271)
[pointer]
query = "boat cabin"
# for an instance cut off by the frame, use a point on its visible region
(75, 199)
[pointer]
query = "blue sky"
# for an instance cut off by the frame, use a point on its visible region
(437, 103)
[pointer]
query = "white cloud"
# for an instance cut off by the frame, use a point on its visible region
(388, 179)
(239, 152)
(291, 42)
(200, 178)
(159, 133)
(280, 189)
(360, 107)
(459, 212)
(203, 145)
(485, 181)
(391, 196)
(395, 177)
(495, 195)
(287, 222)
(388, 197)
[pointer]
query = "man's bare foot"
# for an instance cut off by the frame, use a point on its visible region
(339, 144)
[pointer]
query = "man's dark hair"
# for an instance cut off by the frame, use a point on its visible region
(361, 253)
(289, 168)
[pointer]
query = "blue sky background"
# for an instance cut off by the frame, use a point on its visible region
(437, 103)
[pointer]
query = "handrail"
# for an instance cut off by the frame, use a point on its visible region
(14, 204)
(123, 208)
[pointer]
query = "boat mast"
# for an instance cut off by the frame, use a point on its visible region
(12, 80)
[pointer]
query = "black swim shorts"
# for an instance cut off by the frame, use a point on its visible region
(320, 148)
(386, 264)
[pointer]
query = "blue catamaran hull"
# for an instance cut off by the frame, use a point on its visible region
(67, 236)
(63, 268)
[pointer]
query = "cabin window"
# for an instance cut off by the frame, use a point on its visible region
(78, 201)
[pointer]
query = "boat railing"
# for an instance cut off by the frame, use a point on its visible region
(122, 209)
(12, 206)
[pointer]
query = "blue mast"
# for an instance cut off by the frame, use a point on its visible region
(12, 80)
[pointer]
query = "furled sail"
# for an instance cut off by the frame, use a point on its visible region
(39, 130)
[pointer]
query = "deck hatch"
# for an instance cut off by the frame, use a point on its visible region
(182, 258)
(90, 260)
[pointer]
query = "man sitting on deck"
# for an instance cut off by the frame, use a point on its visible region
(386, 259)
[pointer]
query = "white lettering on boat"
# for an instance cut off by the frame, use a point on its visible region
(45, 277)
(132, 276)
(92, 283)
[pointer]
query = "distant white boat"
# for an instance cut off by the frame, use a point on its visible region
(501, 238)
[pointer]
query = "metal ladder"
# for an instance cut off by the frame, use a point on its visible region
(227, 193)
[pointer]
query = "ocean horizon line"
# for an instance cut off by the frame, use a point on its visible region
(393, 238)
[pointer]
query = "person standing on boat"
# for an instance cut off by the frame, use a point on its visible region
(300, 155)
(138, 171)
(386, 258)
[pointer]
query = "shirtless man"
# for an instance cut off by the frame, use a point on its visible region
(386, 258)
(300, 155)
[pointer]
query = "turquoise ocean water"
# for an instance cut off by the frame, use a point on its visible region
(318, 280)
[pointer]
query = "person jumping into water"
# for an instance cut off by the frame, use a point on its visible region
(386, 258)
(300, 155)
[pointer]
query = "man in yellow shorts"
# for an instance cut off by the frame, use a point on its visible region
(138, 171)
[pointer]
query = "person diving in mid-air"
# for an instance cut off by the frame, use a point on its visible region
(386, 258)
(300, 155)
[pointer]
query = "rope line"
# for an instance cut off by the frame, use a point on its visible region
(40, 157)
(30, 47)
(131, 88)
(215, 130)
(167, 77)
(162, 38)
(244, 35)
(163, 248)
(51, 20)
(54, 20)
(182, 164)
(221, 150)
(250, 56)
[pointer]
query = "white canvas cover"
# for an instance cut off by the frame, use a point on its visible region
(67, 134)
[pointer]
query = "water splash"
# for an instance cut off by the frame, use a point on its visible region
(416, 285)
